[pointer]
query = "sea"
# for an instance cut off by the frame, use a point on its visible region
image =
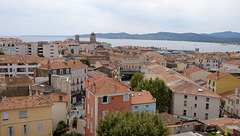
(163, 44)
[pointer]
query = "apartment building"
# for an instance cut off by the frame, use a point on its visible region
(49, 50)
(231, 67)
(17, 65)
(103, 95)
(189, 100)
(207, 63)
(195, 73)
(220, 82)
(26, 115)
(143, 101)
(73, 48)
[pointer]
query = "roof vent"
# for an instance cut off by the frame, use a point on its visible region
(10, 80)
(200, 90)
(139, 94)
(132, 95)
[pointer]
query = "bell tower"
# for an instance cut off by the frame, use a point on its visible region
(93, 37)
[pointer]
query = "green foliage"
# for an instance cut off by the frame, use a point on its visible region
(2, 53)
(130, 124)
(72, 51)
(74, 123)
(159, 90)
(40, 55)
(85, 61)
(62, 128)
(72, 134)
(136, 80)
(63, 52)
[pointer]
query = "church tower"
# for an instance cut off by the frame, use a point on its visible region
(93, 37)
(76, 38)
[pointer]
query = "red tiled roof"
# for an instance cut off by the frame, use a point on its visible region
(217, 75)
(56, 65)
(105, 85)
(233, 62)
(225, 94)
(10, 103)
(18, 59)
(145, 97)
(169, 119)
(192, 70)
(75, 64)
(55, 96)
(18, 81)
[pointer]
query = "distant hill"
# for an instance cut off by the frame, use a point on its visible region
(227, 36)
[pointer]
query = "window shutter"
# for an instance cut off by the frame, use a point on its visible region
(101, 100)
(27, 128)
(9, 131)
(109, 99)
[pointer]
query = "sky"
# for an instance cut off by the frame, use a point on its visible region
(70, 17)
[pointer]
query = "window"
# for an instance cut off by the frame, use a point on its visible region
(209, 82)
(213, 83)
(88, 108)
(185, 103)
(206, 115)
(237, 112)
(25, 129)
(40, 127)
(207, 99)
(61, 72)
(10, 131)
(60, 98)
(195, 106)
(237, 101)
(126, 97)
(195, 97)
(231, 111)
(136, 107)
(147, 108)
(77, 72)
(88, 95)
(104, 113)
(207, 106)
(195, 114)
(54, 72)
(88, 123)
(228, 101)
(85, 70)
(22, 114)
(91, 112)
(105, 99)
(91, 127)
(81, 71)
(185, 96)
(184, 112)
(5, 116)
(67, 71)
(227, 108)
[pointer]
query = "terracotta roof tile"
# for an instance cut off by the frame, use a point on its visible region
(225, 94)
(24, 102)
(169, 119)
(75, 64)
(192, 70)
(55, 96)
(234, 62)
(56, 65)
(105, 85)
(216, 76)
(18, 81)
(145, 97)
(18, 59)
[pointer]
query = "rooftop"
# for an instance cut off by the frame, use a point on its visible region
(105, 85)
(18, 81)
(225, 94)
(217, 75)
(11, 103)
(142, 97)
(75, 64)
(56, 65)
(192, 70)
(19, 59)
(169, 119)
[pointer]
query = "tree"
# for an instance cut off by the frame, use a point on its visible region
(2, 53)
(74, 123)
(130, 124)
(62, 128)
(72, 134)
(159, 90)
(136, 79)
(72, 51)
(85, 61)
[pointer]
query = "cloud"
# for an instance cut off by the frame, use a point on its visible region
(60, 17)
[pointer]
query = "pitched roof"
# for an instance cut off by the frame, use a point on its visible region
(217, 75)
(105, 85)
(192, 70)
(21, 102)
(19, 59)
(75, 64)
(54, 96)
(233, 62)
(18, 81)
(169, 119)
(225, 94)
(56, 65)
(144, 97)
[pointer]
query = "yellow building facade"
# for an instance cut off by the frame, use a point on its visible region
(221, 82)
(31, 117)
